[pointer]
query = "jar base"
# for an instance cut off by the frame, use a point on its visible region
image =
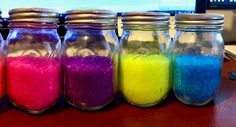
(33, 112)
(195, 104)
(146, 105)
(90, 109)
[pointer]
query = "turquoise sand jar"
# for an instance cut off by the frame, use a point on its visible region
(2, 62)
(145, 59)
(89, 51)
(33, 67)
(198, 57)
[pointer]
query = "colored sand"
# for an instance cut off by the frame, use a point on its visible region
(89, 81)
(33, 83)
(144, 78)
(196, 78)
(1, 78)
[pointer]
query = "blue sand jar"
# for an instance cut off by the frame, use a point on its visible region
(198, 57)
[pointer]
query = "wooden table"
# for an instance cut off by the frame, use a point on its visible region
(220, 113)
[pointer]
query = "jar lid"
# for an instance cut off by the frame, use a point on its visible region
(41, 15)
(199, 20)
(158, 19)
(99, 11)
(86, 17)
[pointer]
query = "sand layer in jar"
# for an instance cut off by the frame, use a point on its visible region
(33, 84)
(196, 78)
(144, 78)
(89, 81)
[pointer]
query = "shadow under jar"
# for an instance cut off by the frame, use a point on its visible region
(2, 63)
(89, 65)
(145, 58)
(198, 57)
(33, 59)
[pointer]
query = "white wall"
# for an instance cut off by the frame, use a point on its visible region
(229, 32)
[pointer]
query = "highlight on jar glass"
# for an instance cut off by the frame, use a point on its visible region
(33, 59)
(2, 62)
(89, 52)
(145, 59)
(198, 57)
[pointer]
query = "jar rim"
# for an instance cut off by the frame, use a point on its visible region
(91, 26)
(199, 28)
(198, 16)
(191, 21)
(146, 27)
(199, 22)
(37, 10)
(150, 20)
(145, 13)
(33, 25)
(90, 19)
(86, 11)
(40, 15)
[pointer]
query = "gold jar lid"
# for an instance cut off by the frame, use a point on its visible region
(201, 20)
(91, 18)
(151, 19)
(41, 15)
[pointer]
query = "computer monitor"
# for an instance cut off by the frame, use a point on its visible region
(221, 4)
(172, 6)
(182, 6)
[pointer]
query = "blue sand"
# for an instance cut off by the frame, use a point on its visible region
(196, 78)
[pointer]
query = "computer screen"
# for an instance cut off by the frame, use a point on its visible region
(221, 4)
(174, 6)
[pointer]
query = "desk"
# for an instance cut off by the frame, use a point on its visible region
(220, 113)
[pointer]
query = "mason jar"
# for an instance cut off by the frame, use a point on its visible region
(33, 67)
(89, 52)
(145, 58)
(198, 57)
(2, 63)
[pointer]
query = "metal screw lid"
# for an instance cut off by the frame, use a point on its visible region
(91, 18)
(201, 20)
(157, 19)
(41, 15)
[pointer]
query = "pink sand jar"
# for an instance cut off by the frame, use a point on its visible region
(2, 62)
(89, 58)
(33, 66)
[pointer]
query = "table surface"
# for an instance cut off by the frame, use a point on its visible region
(220, 113)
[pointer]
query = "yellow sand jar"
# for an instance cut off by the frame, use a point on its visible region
(145, 58)
(144, 79)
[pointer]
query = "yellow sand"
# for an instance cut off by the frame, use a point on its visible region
(144, 78)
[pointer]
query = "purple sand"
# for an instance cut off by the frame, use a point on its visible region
(89, 81)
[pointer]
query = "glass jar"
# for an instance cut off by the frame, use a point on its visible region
(145, 58)
(198, 57)
(89, 50)
(2, 62)
(33, 59)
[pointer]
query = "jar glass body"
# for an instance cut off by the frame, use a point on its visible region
(198, 58)
(90, 67)
(145, 66)
(33, 68)
(2, 65)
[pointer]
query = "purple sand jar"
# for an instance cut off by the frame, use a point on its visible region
(89, 81)
(89, 51)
